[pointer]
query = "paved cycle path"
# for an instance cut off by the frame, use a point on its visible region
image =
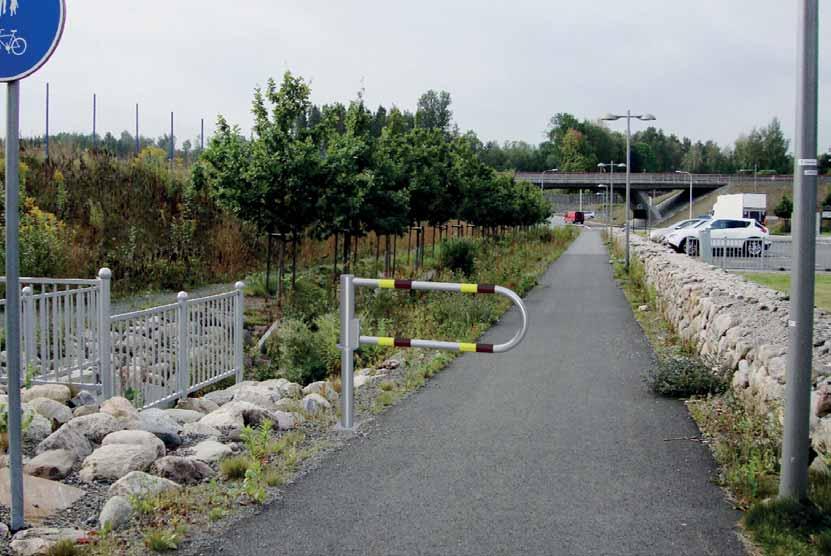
(554, 448)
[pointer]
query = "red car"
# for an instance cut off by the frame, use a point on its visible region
(574, 217)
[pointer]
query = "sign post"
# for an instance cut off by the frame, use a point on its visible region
(34, 31)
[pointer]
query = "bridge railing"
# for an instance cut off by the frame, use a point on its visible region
(618, 178)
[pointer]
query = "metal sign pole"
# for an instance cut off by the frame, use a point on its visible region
(47, 121)
(795, 440)
(348, 344)
(13, 301)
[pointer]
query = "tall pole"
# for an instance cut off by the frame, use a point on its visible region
(795, 440)
(94, 116)
(47, 120)
(628, 166)
(755, 174)
(202, 135)
(691, 195)
(581, 199)
(611, 196)
(171, 138)
(13, 301)
(138, 141)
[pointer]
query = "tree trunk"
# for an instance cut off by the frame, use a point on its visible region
(268, 263)
(281, 268)
(293, 259)
(335, 260)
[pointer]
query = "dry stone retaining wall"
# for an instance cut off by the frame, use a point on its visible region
(743, 326)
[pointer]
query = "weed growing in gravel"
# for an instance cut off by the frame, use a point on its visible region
(782, 527)
(162, 540)
(386, 386)
(384, 400)
(257, 441)
(65, 547)
(253, 485)
(234, 467)
(216, 514)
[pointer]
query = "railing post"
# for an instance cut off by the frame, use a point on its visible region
(349, 338)
(705, 247)
(182, 343)
(104, 337)
(238, 330)
(28, 329)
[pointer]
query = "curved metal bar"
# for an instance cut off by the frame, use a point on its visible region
(446, 287)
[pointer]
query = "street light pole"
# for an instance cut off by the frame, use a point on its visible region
(795, 439)
(628, 116)
(691, 189)
(611, 166)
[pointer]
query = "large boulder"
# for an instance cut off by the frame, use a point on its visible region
(291, 390)
(288, 405)
(57, 392)
(52, 464)
(210, 451)
(39, 428)
(85, 410)
(324, 388)
(220, 397)
(261, 397)
(52, 410)
(315, 403)
(273, 384)
(286, 421)
(66, 438)
(138, 483)
(96, 426)
(37, 541)
(202, 405)
(182, 470)
(112, 462)
(200, 429)
(121, 409)
(233, 416)
(83, 398)
(156, 421)
(184, 416)
(136, 438)
(116, 513)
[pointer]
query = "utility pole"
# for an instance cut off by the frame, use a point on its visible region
(94, 115)
(171, 139)
(202, 135)
(138, 141)
(795, 441)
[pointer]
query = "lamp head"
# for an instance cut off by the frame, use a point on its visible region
(610, 117)
(647, 117)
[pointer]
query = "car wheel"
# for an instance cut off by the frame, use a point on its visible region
(753, 248)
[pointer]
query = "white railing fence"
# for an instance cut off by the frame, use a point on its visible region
(152, 356)
(773, 254)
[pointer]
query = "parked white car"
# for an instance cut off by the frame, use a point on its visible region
(658, 234)
(743, 235)
(588, 215)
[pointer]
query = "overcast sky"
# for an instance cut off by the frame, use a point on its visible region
(706, 69)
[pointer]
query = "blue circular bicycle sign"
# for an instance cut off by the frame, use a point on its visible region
(29, 33)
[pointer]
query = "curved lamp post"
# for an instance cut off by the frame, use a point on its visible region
(611, 166)
(628, 116)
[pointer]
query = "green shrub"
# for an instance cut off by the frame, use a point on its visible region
(297, 352)
(65, 547)
(785, 524)
(327, 337)
(306, 301)
(234, 467)
(683, 377)
(458, 255)
(162, 540)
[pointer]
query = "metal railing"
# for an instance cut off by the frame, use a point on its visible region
(152, 356)
(771, 254)
(351, 338)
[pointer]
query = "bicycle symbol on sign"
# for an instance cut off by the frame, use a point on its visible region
(12, 43)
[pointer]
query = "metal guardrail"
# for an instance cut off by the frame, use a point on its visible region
(770, 254)
(351, 338)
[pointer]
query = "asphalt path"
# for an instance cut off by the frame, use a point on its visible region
(554, 448)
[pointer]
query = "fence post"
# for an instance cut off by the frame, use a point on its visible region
(104, 337)
(705, 246)
(239, 313)
(28, 329)
(349, 337)
(182, 343)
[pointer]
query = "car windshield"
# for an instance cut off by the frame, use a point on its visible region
(698, 225)
(686, 224)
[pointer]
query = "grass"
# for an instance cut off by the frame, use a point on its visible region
(65, 547)
(233, 468)
(781, 281)
(162, 540)
(744, 443)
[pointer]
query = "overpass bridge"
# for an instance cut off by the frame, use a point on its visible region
(642, 184)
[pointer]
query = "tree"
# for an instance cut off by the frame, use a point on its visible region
(575, 155)
(433, 111)
(785, 208)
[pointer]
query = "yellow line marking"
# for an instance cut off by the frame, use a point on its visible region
(469, 288)
(388, 284)
(467, 347)
(386, 342)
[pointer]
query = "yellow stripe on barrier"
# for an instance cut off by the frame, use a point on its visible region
(469, 288)
(386, 342)
(467, 347)
(387, 284)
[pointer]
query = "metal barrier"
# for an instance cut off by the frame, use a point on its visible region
(768, 254)
(350, 328)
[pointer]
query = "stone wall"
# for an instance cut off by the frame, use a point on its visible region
(742, 325)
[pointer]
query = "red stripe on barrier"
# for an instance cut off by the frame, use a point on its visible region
(403, 284)
(401, 342)
(485, 288)
(484, 348)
